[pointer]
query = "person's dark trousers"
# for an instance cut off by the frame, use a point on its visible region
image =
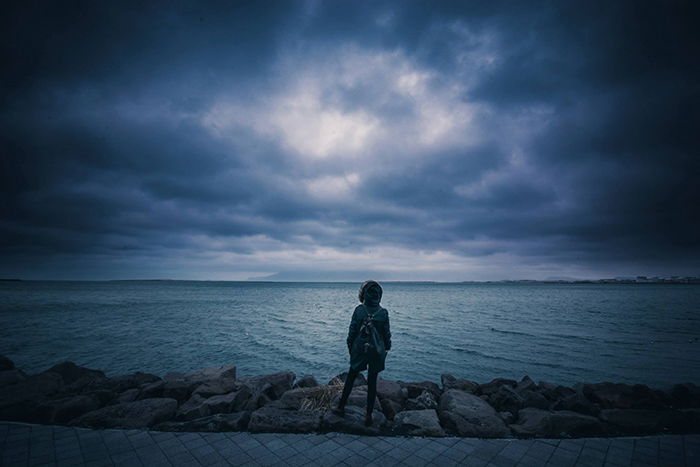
(371, 388)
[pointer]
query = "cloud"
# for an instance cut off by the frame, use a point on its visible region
(451, 142)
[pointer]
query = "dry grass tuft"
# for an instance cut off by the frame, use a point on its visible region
(321, 397)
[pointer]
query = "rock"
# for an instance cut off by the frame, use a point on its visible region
(8, 377)
(123, 382)
(216, 387)
(193, 408)
(526, 384)
(507, 399)
(418, 423)
(6, 363)
(237, 421)
(60, 411)
(358, 398)
(231, 402)
(179, 389)
(307, 398)
(151, 390)
(554, 392)
(105, 396)
(494, 385)
(469, 415)
(306, 381)
(138, 414)
(273, 386)
(360, 380)
(545, 424)
(270, 419)
(70, 373)
(19, 401)
(205, 374)
(622, 396)
(534, 399)
(450, 382)
(507, 417)
(650, 421)
(424, 401)
(414, 390)
(387, 389)
(129, 395)
(390, 408)
(577, 402)
(354, 422)
(686, 395)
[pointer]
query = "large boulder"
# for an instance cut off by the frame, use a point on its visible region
(151, 390)
(469, 415)
(306, 381)
(273, 385)
(358, 398)
(72, 373)
(271, 419)
(130, 395)
(526, 384)
(138, 414)
(123, 382)
(495, 385)
(554, 392)
(577, 402)
(418, 423)
(545, 424)
(205, 374)
(450, 382)
(390, 408)
(236, 421)
(426, 400)
(216, 387)
(650, 421)
(622, 396)
(6, 363)
(61, 411)
(19, 402)
(685, 395)
(8, 377)
(415, 389)
(232, 402)
(507, 399)
(354, 422)
(387, 389)
(179, 389)
(195, 407)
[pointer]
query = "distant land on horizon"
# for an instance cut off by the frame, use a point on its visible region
(552, 280)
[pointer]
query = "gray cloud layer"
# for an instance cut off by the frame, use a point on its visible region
(325, 140)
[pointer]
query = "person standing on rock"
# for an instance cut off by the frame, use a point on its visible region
(369, 340)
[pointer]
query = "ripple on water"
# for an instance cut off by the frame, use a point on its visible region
(478, 331)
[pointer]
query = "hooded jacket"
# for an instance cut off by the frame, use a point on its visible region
(370, 294)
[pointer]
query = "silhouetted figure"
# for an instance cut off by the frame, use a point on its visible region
(369, 339)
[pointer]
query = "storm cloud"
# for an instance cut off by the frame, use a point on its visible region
(336, 140)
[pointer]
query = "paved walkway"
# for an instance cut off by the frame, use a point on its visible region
(24, 444)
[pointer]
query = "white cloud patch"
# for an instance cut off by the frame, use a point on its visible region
(352, 103)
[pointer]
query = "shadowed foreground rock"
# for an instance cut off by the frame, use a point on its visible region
(216, 399)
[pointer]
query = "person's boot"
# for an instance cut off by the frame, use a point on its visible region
(339, 409)
(368, 419)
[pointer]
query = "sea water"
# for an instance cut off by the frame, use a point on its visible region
(562, 333)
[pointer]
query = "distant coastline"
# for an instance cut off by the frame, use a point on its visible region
(616, 280)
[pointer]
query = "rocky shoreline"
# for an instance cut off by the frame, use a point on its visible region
(216, 399)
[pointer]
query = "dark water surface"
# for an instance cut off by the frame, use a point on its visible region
(557, 332)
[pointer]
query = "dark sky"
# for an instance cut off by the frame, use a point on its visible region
(342, 140)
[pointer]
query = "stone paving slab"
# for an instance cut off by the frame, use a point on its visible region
(37, 445)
